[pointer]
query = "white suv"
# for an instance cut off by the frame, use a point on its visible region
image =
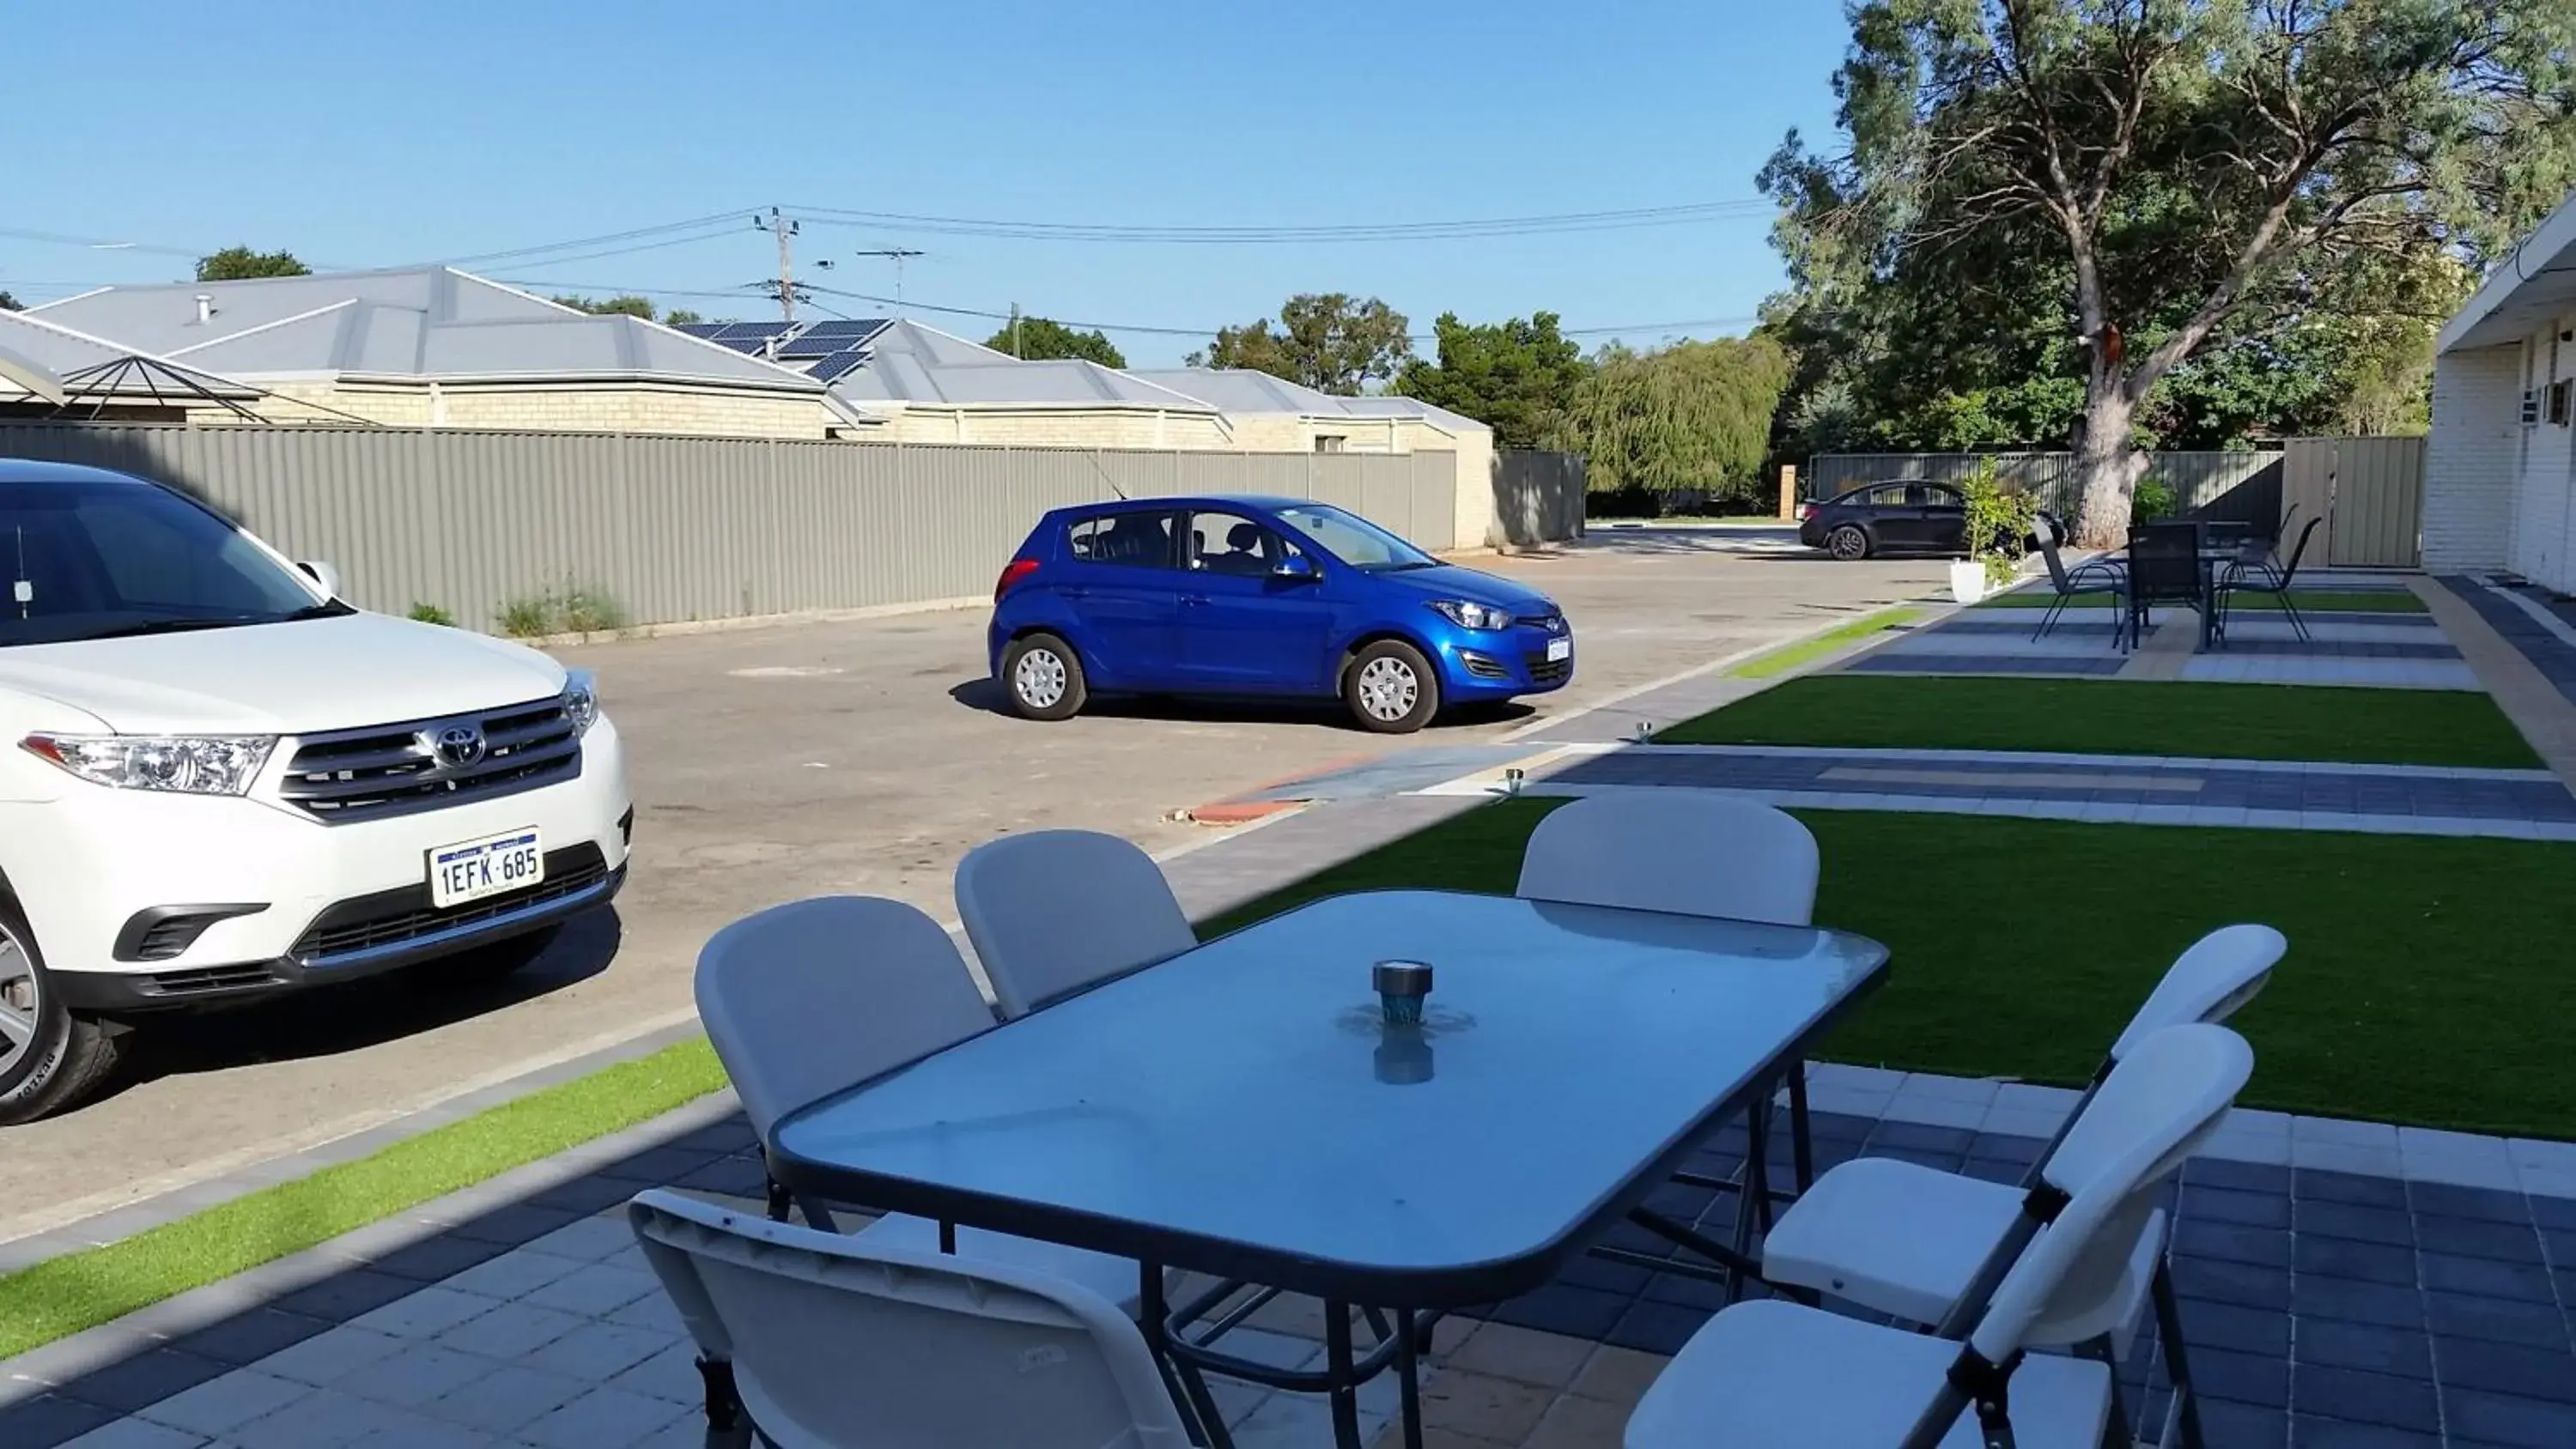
(219, 783)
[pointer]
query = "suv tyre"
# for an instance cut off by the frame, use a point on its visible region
(50, 1059)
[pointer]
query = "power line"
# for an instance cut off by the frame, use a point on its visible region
(1690, 213)
(731, 220)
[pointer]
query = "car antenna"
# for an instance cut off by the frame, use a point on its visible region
(1094, 460)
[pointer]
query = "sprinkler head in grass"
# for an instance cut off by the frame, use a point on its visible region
(1401, 987)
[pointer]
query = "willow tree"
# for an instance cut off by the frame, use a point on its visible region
(1695, 415)
(2181, 158)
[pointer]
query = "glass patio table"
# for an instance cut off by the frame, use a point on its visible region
(1244, 1110)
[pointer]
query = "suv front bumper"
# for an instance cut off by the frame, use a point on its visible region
(303, 903)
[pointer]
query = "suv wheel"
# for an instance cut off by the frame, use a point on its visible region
(1391, 688)
(1848, 542)
(50, 1060)
(1044, 678)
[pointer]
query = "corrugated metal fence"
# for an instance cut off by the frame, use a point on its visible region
(2371, 492)
(690, 528)
(1538, 496)
(2240, 486)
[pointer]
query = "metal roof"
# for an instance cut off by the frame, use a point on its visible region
(86, 366)
(423, 322)
(1242, 390)
(909, 363)
(2525, 292)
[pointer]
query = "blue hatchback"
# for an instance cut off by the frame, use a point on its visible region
(1261, 596)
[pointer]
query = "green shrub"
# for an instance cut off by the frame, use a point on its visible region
(526, 616)
(577, 609)
(1998, 520)
(2153, 500)
(431, 614)
(588, 609)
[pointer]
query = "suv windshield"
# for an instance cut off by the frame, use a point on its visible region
(98, 559)
(1354, 540)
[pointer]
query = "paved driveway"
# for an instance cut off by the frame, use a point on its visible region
(863, 757)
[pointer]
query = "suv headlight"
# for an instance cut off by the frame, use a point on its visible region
(581, 700)
(177, 764)
(1467, 614)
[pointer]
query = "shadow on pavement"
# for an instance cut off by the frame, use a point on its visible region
(985, 696)
(362, 1014)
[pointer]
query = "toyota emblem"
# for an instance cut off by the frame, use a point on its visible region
(459, 746)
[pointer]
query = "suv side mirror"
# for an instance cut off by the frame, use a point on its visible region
(323, 574)
(1297, 568)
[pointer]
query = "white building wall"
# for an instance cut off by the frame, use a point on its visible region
(2473, 460)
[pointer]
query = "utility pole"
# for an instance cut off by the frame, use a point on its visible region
(1015, 331)
(784, 228)
(896, 255)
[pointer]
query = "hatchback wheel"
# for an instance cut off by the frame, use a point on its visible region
(1044, 678)
(1848, 542)
(50, 1060)
(1391, 688)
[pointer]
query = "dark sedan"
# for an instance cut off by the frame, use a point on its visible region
(1908, 515)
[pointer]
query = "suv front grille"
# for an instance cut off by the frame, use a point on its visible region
(392, 917)
(1552, 623)
(366, 774)
(1543, 670)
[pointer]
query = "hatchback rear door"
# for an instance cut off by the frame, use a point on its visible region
(1122, 579)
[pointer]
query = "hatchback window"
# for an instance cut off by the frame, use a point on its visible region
(95, 560)
(1354, 540)
(1228, 543)
(1932, 495)
(1136, 540)
(1891, 496)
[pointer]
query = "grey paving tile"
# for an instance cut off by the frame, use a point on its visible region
(2507, 1368)
(425, 1314)
(2307, 1432)
(144, 1378)
(219, 1406)
(1575, 1312)
(2232, 1242)
(654, 1311)
(510, 1332)
(2376, 1348)
(426, 1433)
(507, 1399)
(2501, 1320)
(671, 1374)
(345, 1295)
(2346, 1187)
(2506, 1419)
(602, 1416)
(595, 1290)
(596, 1352)
(322, 1419)
(514, 1224)
(2351, 1301)
(2228, 1326)
(1662, 1328)
(514, 1273)
(2488, 1277)
(249, 1336)
(589, 1240)
(2228, 1205)
(2244, 1426)
(2345, 1258)
(434, 1259)
(46, 1420)
(2240, 1176)
(2361, 1224)
(135, 1434)
(2469, 1237)
(333, 1355)
(2366, 1398)
(2246, 1378)
(2246, 1285)
(418, 1374)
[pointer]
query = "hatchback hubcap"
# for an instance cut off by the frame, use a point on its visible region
(1388, 689)
(18, 1003)
(1039, 679)
(1848, 544)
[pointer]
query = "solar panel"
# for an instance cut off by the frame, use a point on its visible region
(847, 327)
(755, 331)
(811, 346)
(707, 330)
(837, 364)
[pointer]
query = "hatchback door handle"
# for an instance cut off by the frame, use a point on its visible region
(1075, 593)
(1194, 598)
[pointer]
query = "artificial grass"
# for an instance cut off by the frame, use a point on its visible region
(2312, 601)
(2425, 982)
(81, 1290)
(2121, 717)
(1790, 656)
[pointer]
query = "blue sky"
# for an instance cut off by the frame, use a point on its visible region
(370, 135)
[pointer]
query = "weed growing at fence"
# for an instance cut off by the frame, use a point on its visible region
(575, 609)
(431, 614)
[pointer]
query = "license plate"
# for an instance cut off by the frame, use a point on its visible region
(473, 869)
(1559, 649)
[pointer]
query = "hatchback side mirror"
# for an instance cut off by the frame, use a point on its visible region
(1296, 568)
(323, 574)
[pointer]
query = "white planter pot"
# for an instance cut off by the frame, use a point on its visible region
(1968, 580)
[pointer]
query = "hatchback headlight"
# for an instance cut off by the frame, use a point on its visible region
(1467, 614)
(176, 764)
(581, 700)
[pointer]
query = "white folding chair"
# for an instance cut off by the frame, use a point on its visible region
(1928, 1246)
(1689, 854)
(1676, 851)
(846, 1343)
(1772, 1372)
(809, 998)
(1053, 911)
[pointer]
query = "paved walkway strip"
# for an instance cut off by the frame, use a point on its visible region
(2530, 623)
(2105, 789)
(2376, 650)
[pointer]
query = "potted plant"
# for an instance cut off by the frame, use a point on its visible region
(1999, 522)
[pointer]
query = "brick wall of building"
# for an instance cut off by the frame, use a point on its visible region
(2472, 460)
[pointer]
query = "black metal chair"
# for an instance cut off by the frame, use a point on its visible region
(2164, 568)
(2277, 585)
(2264, 553)
(2089, 577)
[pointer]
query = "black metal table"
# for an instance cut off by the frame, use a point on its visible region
(1243, 1110)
